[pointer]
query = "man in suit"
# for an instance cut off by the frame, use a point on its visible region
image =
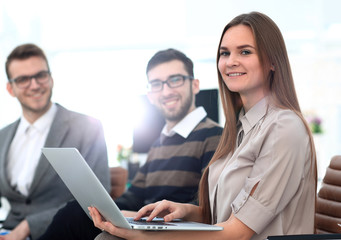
(30, 184)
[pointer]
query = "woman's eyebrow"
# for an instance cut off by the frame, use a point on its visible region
(246, 46)
(238, 47)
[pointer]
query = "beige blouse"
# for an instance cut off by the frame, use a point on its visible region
(275, 153)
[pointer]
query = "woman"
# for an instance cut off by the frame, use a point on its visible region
(262, 179)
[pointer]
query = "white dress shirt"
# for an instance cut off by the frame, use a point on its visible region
(187, 124)
(25, 150)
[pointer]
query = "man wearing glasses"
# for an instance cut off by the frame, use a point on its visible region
(33, 189)
(176, 159)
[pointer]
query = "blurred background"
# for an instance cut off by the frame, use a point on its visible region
(98, 51)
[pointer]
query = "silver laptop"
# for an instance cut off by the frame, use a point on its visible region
(88, 191)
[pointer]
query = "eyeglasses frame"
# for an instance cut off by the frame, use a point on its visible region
(31, 77)
(167, 82)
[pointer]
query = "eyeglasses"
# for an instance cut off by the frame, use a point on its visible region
(172, 82)
(25, 81)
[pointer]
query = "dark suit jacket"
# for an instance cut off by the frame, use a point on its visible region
(48, 193)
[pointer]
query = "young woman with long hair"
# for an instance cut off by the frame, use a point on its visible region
(261, 180)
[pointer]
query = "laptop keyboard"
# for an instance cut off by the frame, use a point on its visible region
(144, 222)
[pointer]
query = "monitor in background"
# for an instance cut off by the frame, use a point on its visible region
(208, 98)
(152, 121)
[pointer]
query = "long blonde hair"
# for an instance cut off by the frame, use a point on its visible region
(272, 52)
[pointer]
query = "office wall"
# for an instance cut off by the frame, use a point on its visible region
(98, 51)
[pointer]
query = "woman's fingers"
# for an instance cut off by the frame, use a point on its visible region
(145, 211)
(100, 223)
(161, 209)
(96, 217)
(166, 209)
(108, 227)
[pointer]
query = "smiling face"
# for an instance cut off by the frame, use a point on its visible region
(36, 99)
(240, 67)
(174, 103)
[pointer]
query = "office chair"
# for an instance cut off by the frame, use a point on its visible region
(328, 207)
(118, 180)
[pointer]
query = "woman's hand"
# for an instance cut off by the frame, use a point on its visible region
(128, 213)
(104, 225)
(166, 209)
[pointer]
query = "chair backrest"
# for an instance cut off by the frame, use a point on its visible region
(328, 206)
(118, 179)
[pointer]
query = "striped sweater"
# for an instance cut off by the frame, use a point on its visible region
(173, 168)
